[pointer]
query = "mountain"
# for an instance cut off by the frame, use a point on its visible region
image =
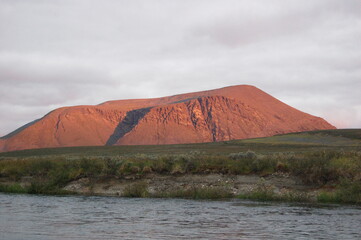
(235, 112)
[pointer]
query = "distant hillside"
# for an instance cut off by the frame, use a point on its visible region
(229, 113)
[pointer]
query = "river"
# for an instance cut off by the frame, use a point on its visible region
(79, 217)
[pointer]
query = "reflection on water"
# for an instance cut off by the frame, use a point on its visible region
(49, 217)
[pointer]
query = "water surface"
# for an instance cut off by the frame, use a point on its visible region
(76, 217)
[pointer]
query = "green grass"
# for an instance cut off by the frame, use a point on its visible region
(346, 133)
(13, 188)
(347, 192)
(264, 192)
(308, 139)
(50, 175)
(34, 188)
(196, 193)
(318, 158)
(316, 168)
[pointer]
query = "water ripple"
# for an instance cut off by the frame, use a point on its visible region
(49, 217)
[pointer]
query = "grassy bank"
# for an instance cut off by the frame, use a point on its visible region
(34, 188)
(316, 168)
(328, 160)
(334, 169)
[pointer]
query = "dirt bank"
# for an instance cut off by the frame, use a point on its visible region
(235, 184)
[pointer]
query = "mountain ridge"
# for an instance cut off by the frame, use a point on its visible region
(234, 112)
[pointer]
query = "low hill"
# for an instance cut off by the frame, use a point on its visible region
(236, 112)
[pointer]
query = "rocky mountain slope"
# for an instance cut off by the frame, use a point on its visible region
(228, 113)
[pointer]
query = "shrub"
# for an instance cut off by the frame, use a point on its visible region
(263, 192)
(40, 167)
(178, 168)
(111, 166)
(347, 166)
(162, 164)
(349, 192)
(313, 169)
(346, 192)
(146, 169)
(91, 167)
(136, 190)
(243, 155)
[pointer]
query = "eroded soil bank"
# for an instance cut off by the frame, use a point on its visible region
(166, 185)
(236, 184)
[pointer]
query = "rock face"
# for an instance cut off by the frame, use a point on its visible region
(228, 113)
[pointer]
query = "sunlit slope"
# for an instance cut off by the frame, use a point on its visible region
(236, 112)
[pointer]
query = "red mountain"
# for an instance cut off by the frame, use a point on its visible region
(234, 112)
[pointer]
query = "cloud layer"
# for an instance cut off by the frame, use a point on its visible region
(56, 53)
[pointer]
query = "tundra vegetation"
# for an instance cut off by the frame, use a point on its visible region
(336, 170)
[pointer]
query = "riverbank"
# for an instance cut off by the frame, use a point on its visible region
(157, 185)
(320, 176)
(274, 187)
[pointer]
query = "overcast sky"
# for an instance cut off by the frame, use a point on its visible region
(62, 53)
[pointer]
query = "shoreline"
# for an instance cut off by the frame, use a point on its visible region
(322, 176)
(273, 187)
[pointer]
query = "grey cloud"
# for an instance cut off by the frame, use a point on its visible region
(240, 28)
(38, 80)
(56, 53)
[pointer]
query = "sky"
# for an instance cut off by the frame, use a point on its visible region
(79, 52)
